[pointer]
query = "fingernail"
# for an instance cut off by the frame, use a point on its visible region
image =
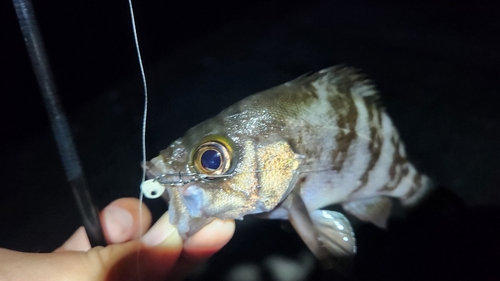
(160, 232)
(118, 223)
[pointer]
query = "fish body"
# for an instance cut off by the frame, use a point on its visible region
(287, 152)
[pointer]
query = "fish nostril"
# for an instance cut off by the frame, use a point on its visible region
(193, 199)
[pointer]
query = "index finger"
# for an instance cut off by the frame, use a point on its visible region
(199, 247)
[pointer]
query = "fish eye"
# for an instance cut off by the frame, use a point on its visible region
(212, 158)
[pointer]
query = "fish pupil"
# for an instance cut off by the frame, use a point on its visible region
(210, 159)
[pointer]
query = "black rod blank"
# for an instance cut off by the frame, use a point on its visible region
(59, 123)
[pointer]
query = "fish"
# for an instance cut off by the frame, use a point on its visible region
(288, 153)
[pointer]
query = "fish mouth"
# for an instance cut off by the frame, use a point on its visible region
(154, 169)
(185, 196)
(186, 209)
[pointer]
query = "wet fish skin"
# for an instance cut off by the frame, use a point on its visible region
(318, 140)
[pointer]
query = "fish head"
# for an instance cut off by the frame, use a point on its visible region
(217, 170)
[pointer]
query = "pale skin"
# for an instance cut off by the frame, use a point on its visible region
(159, 254)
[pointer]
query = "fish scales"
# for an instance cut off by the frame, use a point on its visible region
(286, 152)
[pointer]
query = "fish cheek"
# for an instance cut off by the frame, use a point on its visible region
(278, 165)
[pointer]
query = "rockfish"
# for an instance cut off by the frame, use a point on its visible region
(287, 152)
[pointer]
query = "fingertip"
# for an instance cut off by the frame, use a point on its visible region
(212, 237)
(163, 234)
(122, 220)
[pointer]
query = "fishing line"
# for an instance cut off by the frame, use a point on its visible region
(59, 123)
(145, 112)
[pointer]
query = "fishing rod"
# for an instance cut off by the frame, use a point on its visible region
(59, 123)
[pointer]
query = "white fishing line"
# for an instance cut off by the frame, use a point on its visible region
(145, 112)
(144, 120)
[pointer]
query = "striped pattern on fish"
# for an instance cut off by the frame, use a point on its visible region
(359, 143)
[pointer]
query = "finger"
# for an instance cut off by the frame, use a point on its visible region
(77, 242)
(121, 222)
(209, 239)
(202, 245)
(156, 257)
(127, 261)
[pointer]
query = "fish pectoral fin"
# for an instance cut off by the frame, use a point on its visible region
(336, 235)
(327, 234)
(335, 232)
(375, 210)
(303, 224)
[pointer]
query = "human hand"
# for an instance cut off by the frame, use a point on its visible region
(159, 255)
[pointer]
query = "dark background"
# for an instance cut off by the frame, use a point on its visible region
(436, 64)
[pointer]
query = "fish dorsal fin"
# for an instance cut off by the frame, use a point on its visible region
(375, 210)
(345, 79)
